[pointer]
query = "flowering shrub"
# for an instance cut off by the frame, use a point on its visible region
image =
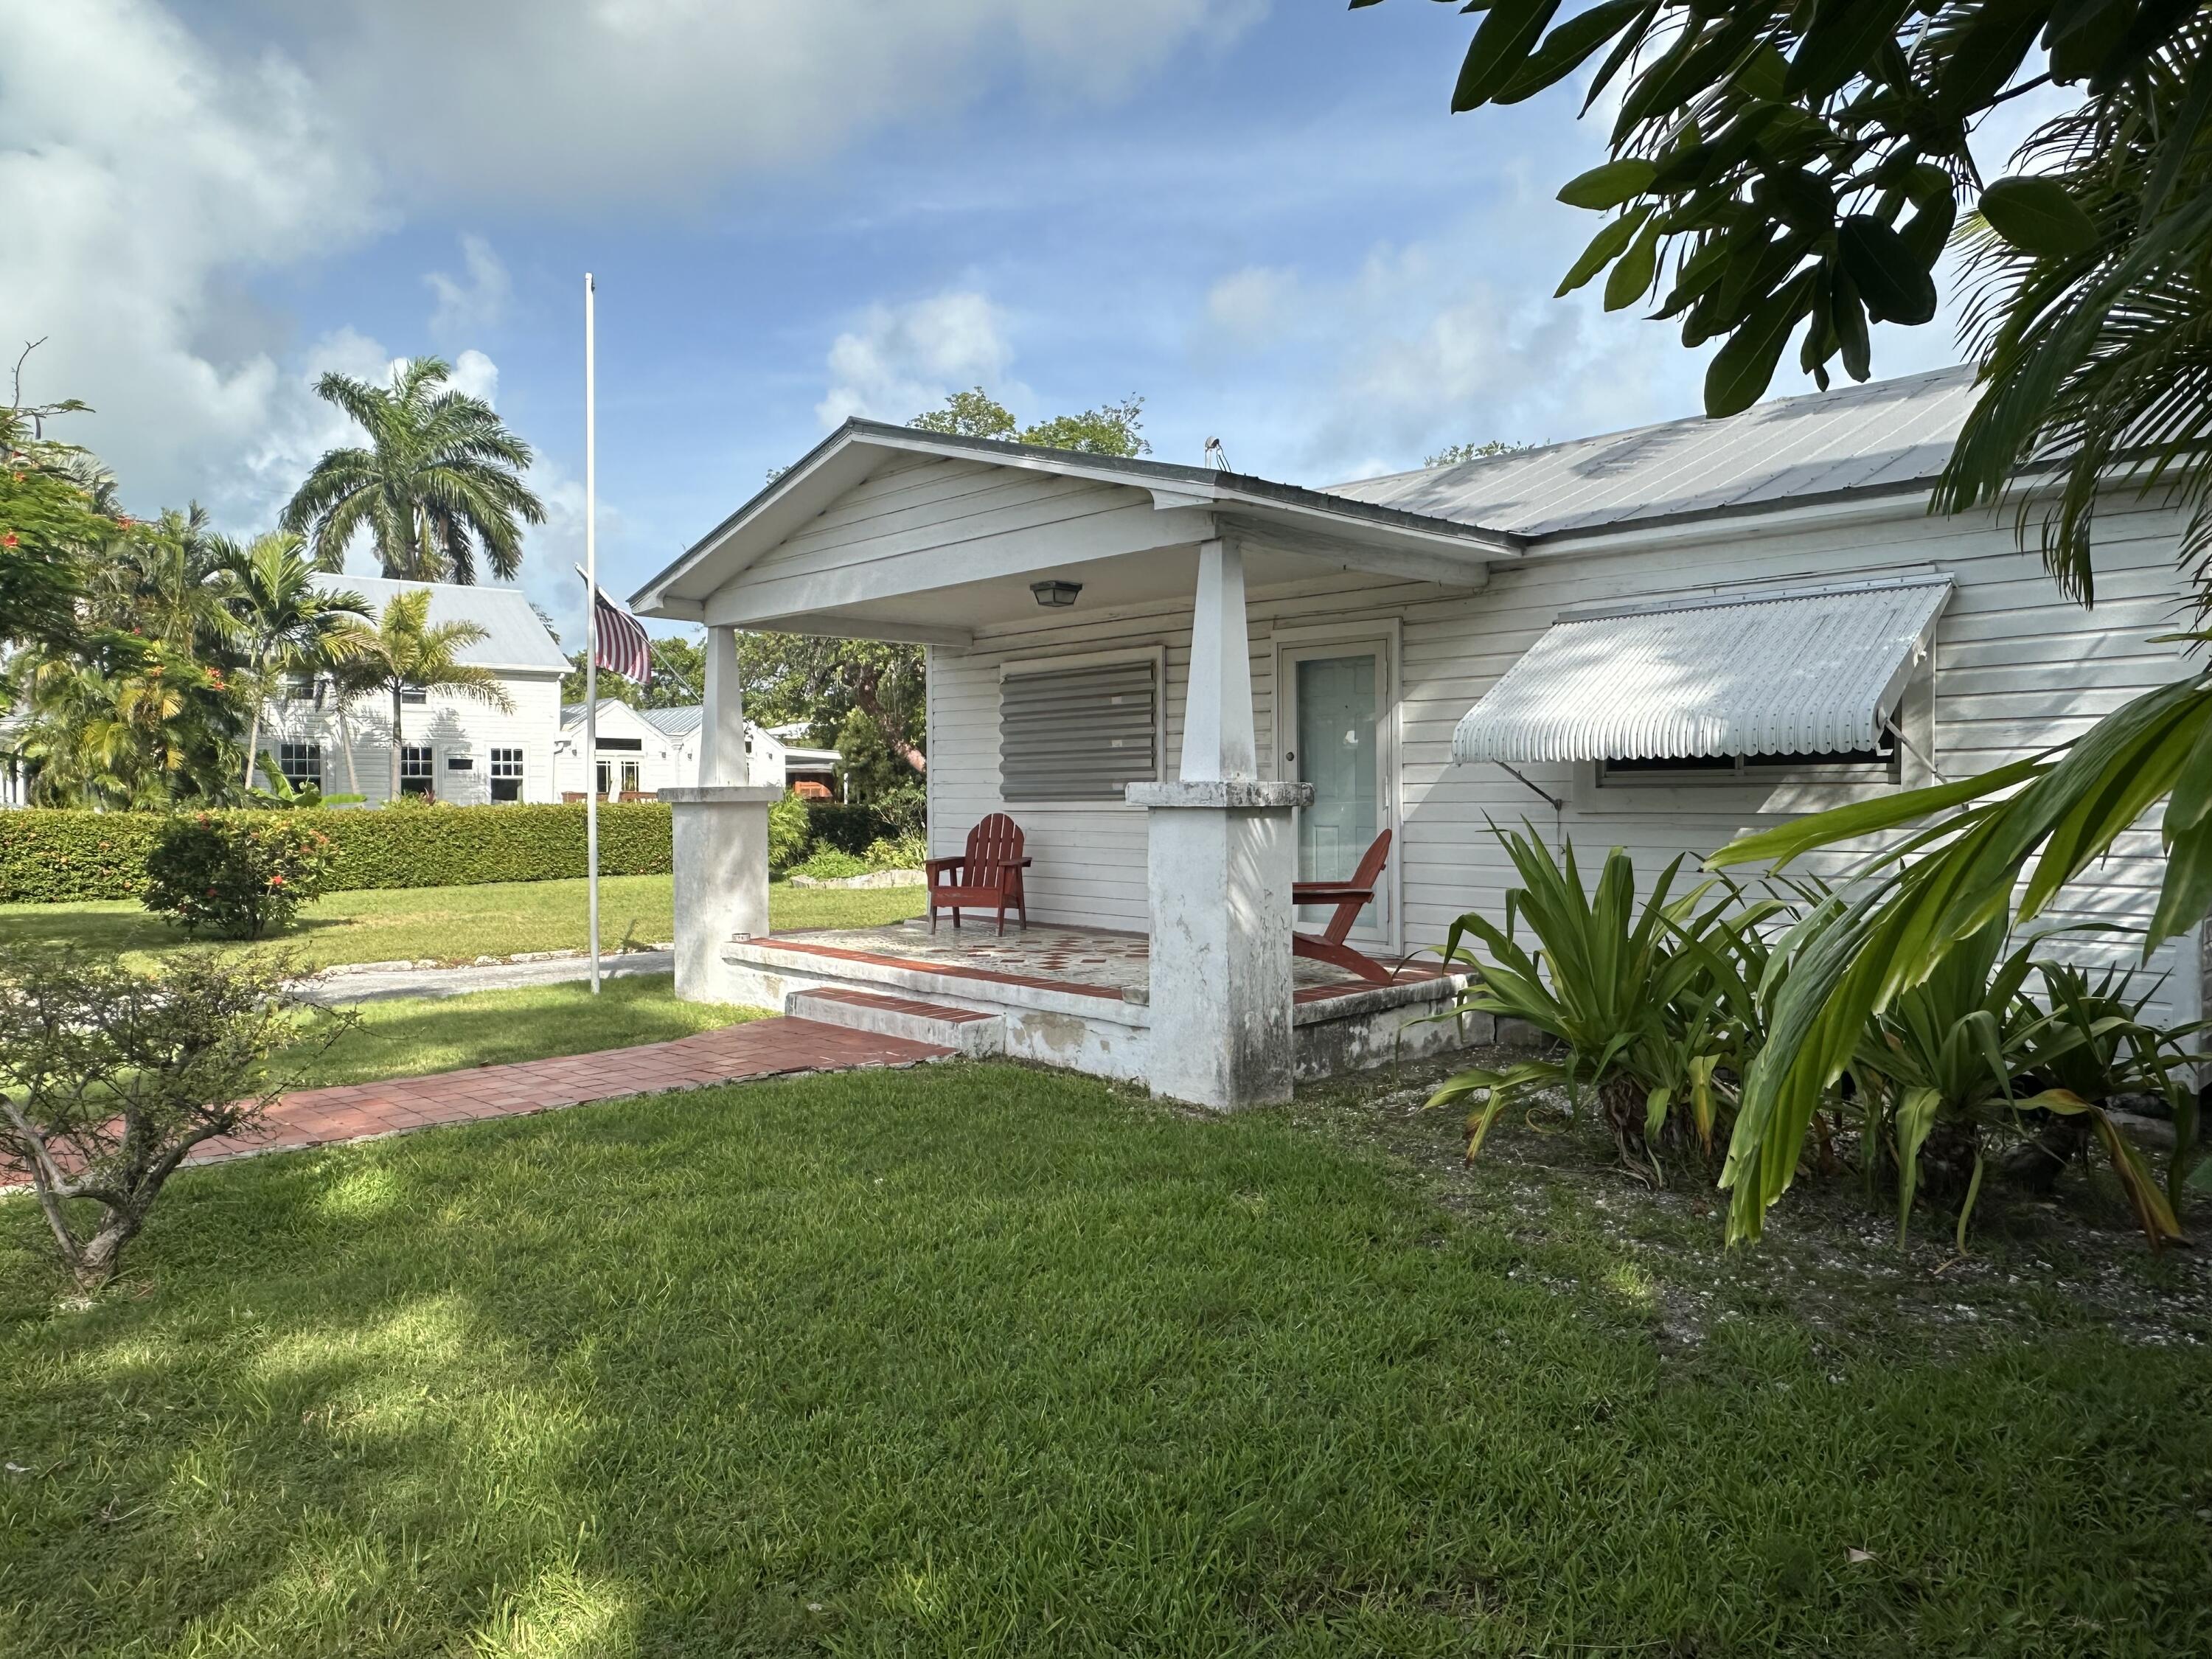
(237, 877)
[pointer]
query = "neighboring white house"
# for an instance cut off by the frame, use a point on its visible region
(1188, 686)
(644, 750)
(452, 748)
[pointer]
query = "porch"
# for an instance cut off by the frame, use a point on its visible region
(1167, 835)
(1078, 997)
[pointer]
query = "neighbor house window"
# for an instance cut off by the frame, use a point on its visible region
(300, 688)
(301, 764)
(1855, 766)
(415, 769)
(1078, 734)
(507, 775)
(413, 694)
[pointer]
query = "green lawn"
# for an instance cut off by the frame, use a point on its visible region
(455, 924)
(978, 1360)
(407, 1036)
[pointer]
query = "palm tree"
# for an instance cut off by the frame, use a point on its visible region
(285, 623)
(164, 580)
(405, 652)
(441, 478)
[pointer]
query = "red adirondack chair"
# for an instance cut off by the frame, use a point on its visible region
(986, 876)
(1350, 897)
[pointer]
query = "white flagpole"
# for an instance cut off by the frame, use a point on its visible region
(591, 630)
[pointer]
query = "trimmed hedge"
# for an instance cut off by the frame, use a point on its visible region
(49, 857)
(849, 829)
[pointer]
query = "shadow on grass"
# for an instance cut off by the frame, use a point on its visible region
(413, 1036)
(979, 1359)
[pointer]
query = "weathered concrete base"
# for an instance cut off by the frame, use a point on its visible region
(1386, 1026)
(1223, 854)
(1108, 1037)
(721, 881)
(969, 1032)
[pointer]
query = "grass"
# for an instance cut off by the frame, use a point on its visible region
(453, 924)
(977, 1359)
(408, 1036)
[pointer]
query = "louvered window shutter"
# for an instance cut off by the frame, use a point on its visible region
(1077, 734)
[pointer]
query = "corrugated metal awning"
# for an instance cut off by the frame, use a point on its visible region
(1813, 671)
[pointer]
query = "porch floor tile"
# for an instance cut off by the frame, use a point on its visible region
(1083, 961)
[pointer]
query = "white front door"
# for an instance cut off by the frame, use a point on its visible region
(1335, 725)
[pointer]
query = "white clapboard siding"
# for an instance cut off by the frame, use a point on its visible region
(881, 539)
(450, 725)
(2017, 668)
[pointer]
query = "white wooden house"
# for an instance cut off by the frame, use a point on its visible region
(1654, 639)
(452, 749)
(644, 750)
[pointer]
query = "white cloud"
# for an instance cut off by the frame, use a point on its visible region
(472, 303)
(141, 179)
(1254, 307)
(558, 98)
(901, 360)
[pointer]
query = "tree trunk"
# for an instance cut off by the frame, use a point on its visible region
(252, 741)
(345, 741)
(1620, 1100)
(1946, 1161)
(395, 739)
(2037, 1163)
(865, 699)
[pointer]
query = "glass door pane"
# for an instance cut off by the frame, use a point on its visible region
(1337, 701)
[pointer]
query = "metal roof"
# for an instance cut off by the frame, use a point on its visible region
(1809, 670)
(677, 722)
(1887, 435)
(515, 636)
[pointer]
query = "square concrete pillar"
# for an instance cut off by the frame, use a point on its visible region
(721, 881)
(1222, 856)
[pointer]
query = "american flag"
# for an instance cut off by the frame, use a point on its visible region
(619, 644)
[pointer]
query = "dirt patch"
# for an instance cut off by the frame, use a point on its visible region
(1829, 1256)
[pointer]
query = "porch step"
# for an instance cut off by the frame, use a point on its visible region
(961, 1030)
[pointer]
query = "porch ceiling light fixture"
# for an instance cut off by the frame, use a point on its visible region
(1056, 595)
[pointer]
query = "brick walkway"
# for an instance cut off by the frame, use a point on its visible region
(734, 1054)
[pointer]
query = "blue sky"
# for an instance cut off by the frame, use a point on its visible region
(1256, 213)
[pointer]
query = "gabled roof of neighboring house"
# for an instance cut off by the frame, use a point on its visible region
(614, 708)
(1888, 435)
(515, 637)
(682, 722)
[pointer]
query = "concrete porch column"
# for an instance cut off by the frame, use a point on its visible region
(1223, 854)
(720, 830)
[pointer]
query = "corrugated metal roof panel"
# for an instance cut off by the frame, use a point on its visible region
(677, 722)
(1810, 672)
(1887, 434)
(514, 635)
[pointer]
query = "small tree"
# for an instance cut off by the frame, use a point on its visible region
(108, 1079)
(286, 624)
(236, 876)
(407, 652)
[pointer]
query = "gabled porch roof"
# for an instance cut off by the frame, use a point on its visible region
(936, 589)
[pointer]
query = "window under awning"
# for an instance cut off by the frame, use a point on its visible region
(1812, 671)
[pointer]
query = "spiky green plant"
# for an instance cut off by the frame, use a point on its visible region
(1625, 989)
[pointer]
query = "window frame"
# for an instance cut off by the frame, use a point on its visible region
(503, 757)
(428, 777)
(314, 754)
